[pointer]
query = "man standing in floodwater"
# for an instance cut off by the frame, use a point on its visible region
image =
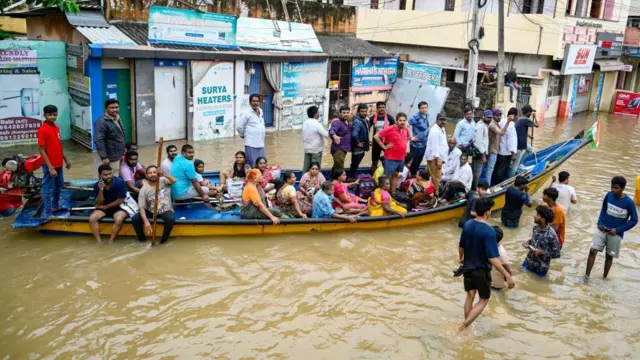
(617, 215)
(251, 128)
(478, 252)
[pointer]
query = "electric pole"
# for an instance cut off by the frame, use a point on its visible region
(474, 50)
(500, 83)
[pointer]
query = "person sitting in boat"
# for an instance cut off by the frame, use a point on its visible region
(146, 203)
(311, 181)
(422, 192)
(132, 172)
(323, 205)
(405, 174)
(288, 200)
(381, 203)
(109, 192)
(254, 200)
(128, 147)
(379, 170)
(267, 182)
(238, 171)
(199, 164)
(187, 185)
(172, 152)
(348, 202)
(461, 183)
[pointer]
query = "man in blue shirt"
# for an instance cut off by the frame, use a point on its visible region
(420, 127)
(617, 215)
(465, 130)
(478, 252)
(187, 185)
(110, 193)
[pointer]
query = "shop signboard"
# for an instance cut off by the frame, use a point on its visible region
(627, 103)
(578, 59)
(191, 28)
(80, 108)
(303, 85)
(374, 74)
(609, 45)
(427, 74)
(20, 110)
(213, 95)
(276, 35)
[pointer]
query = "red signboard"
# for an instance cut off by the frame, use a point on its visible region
(627, 103)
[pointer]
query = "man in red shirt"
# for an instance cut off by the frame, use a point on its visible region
(50, 148)
(393, 140)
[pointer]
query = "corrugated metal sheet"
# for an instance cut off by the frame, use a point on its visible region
(91, 18)
(110, 35)
(350, 47)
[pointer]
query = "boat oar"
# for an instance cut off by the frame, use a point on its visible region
(155, 203)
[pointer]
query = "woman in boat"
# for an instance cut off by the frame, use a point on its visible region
(312, 180)
(343, 198)
(381, 203)
(267, 177)
(239, 170)
(421, 192)
(289, 201)
(254, 200)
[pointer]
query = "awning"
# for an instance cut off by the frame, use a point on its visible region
(612, 65)
(109, 35)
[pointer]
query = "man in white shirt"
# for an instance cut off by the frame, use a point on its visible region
(172, 152)
(566, 193)
(464, 173)
(453, 160)
(251, 128)
(314, 136)
(481, 142)
(437, 150)
(508, 148)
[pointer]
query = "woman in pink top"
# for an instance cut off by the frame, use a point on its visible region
(343, 198)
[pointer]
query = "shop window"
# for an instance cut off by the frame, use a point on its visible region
(339, 81)
(449, 5)
(530, 6)
(569, 7)
(555, 86)
(595, 8)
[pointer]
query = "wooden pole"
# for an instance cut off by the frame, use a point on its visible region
(155, 204)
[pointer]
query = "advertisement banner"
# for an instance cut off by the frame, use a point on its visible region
(212, 99)
(80, 108)
(19, 97)
(584, 85)
(303, 85)
(188, 27)
(375, 74)
(578, 59)
(627, 103)
(427, 74)
(276, 35)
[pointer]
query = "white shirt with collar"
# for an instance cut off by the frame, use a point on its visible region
(509, 141)
(251, 127)
(465, 176)
(481, 137)
(314, 136)
(452, 165)
(437, 146)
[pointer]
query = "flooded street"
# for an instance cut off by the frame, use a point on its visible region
(345, 295)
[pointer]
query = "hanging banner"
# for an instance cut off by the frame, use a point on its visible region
(303, 85)
(276, 35)
(427, 74)
(627, 103)
(80, 108)
(375, 74)
(191, 28)
(19, 97)
(212, 99)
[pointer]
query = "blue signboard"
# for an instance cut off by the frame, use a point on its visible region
(427, 74)
(169, 63)
(375, 74)
(191, 28)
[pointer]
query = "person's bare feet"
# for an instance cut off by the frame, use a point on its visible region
(461, 327)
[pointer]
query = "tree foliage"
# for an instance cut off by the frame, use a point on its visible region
(68, 6)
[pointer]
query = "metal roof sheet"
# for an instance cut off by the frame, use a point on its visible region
(91, 18)
(350, 47)
(110, 35)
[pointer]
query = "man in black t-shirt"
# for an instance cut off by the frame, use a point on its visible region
(522, 126)
(472, 197)
(379, 121)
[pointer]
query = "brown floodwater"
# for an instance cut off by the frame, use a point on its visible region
(344, 295)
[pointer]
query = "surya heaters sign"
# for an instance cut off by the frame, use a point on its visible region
(578, 59)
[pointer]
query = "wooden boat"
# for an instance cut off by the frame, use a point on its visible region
(198, 220)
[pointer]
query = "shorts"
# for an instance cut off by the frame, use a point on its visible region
(391, 166)
(480, 280)
(602, 239)
(192, 193)
(112, 211)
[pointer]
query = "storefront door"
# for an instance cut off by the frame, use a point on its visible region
(115, 85)
(259, 85)
(171, 118)
(583, 94)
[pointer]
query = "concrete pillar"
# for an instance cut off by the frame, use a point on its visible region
(567, 98)
(145, 102)
(608, 91)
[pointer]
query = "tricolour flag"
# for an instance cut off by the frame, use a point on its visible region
(594, 134)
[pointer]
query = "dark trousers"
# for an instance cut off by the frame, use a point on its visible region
(356, 159)
(476, 166)
(51, 187)
(338, 161)
(416, 156)
(376, 154)
(501, 171)
(167, 219)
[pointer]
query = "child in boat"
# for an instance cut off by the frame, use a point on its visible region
(322, 205)
(381, 203)
(254, 200)
(422, 191)
(239, 170)
(350, 203)
(288, 200)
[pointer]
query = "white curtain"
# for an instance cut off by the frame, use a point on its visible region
(273, 73)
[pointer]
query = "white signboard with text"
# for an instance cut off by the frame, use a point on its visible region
(578, 59)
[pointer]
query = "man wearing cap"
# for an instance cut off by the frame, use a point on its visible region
(437, 150)
(495, 133)
(481, 142)
(522, 129)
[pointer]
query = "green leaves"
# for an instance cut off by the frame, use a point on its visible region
(68, 6)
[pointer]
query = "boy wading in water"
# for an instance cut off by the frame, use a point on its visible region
(478, 251)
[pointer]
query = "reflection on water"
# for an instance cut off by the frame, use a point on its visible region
(384, 294)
